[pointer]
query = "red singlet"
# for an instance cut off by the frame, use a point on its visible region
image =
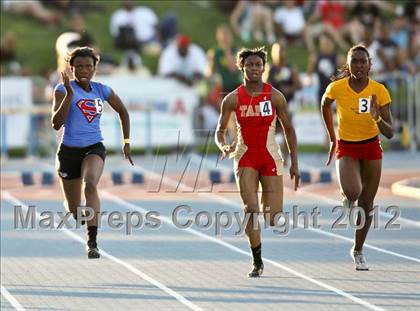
(256, 122)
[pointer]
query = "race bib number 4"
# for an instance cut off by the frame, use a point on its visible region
(265, 108)
(364, 105)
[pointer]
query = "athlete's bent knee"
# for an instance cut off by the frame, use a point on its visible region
(352, 195)
(90, 187)
(251, 208)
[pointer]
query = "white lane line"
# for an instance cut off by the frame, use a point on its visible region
(14, 201)
(11, 299)
(231, 202)
(166, 220)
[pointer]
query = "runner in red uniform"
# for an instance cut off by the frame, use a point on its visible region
(257, 156)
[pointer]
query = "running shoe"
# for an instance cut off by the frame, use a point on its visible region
(92, 250)
(256, 272)
(359, 260)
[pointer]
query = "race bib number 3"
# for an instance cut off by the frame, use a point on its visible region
(265, 108)
(364, 105)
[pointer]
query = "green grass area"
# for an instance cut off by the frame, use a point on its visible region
(212, 148)
(36, 42)
(201, 149)
(199, 20)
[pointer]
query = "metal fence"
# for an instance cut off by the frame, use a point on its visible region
(405, 94)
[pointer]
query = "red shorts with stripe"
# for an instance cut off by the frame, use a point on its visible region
(262, 161)
(369, 149)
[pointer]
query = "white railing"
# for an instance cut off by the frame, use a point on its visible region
(405, 94)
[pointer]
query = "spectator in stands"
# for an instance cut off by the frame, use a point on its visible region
(168, 29)
(33, 9)
(222, 67)
(253, 20)
(62, 7)
(400, 31)
(324, 63)
(222, 60)
(329, 16)
(405, 64)
(8, 60)
(77, 24)
(385, 54)
(76, 36)
(284, 77)
(400, 34)
(132, 65)
(365, 20)
(68, 7)
(241, 21)
(183, 61)
(289, 22)
(414, 51)
(412, 12)
(107, 65)
(135, 28)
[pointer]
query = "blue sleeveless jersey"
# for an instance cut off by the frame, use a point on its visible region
(81, 127)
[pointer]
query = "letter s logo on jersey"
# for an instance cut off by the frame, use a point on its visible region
(88, 108)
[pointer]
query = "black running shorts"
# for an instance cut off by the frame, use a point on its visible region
(69, 159)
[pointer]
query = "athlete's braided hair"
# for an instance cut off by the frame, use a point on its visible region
(83, 51)
(244, 53)
(344, 71)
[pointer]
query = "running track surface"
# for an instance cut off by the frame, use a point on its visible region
(169, 268)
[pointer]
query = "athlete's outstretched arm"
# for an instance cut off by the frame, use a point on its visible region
(327, 116)
(119, 107)
(228, 106)
(289, 133)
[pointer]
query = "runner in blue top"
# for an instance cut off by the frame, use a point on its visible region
(78, 105)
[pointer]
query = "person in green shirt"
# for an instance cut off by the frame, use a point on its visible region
(222, 64)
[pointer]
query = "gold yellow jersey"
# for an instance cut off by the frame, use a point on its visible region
(353, 109)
